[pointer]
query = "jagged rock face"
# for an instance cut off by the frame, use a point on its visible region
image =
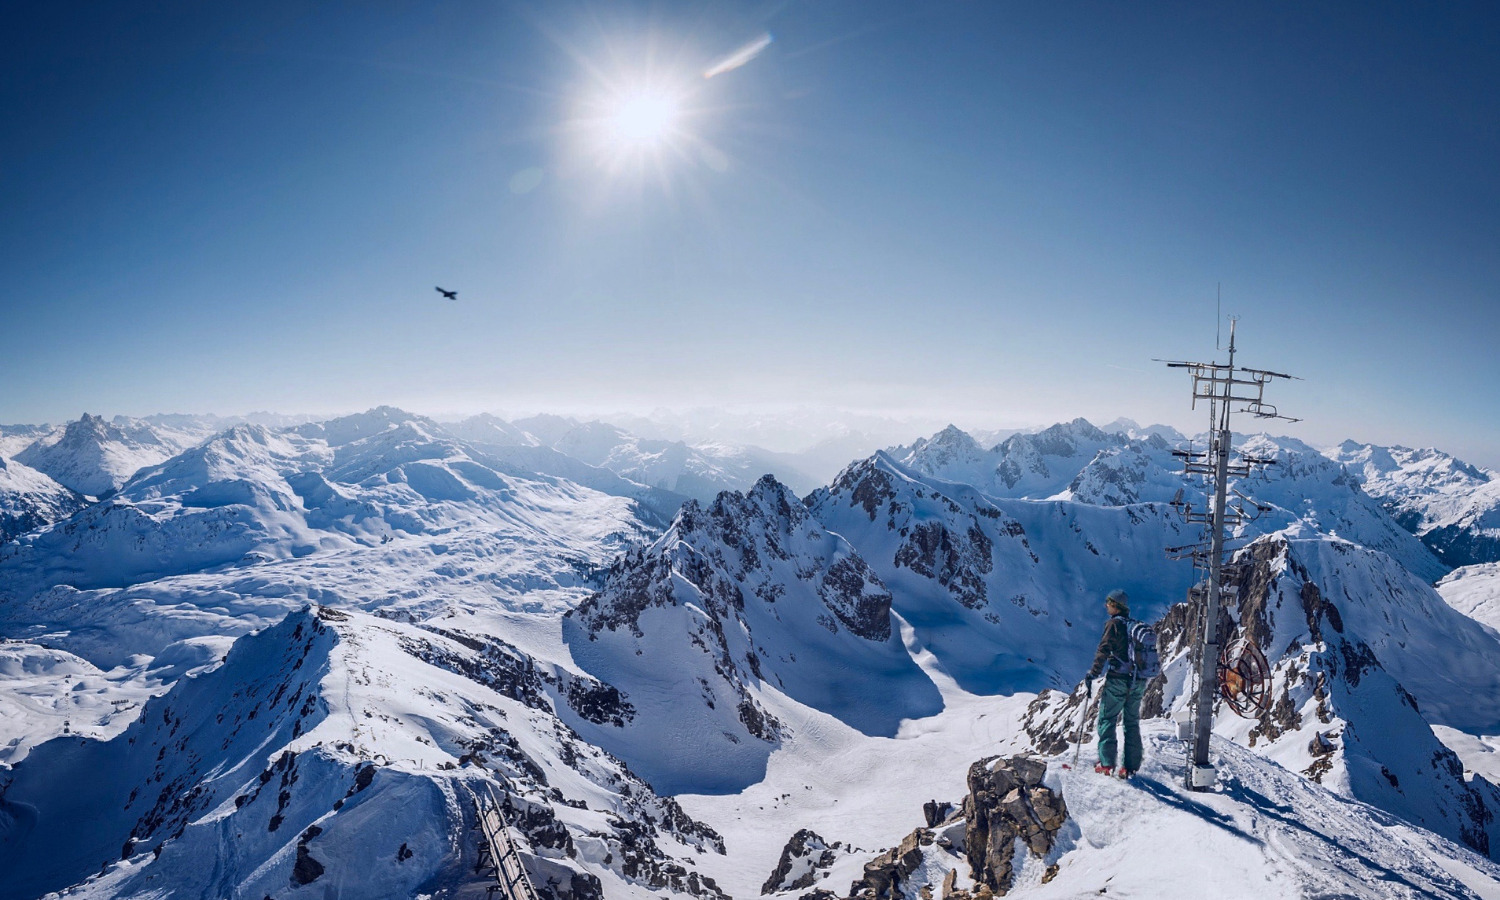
(1024, 459)
(950, 452)
(805, 858)
(1076, 461)
(750, 594)
(1007, 803)
(935, 537)
(1350, 644)
(511, 673)
(1135, 473)
(733, 543)
(1302, 488)
(1056, 462)
(192, 750)
(1002, 610)
(1051, 721)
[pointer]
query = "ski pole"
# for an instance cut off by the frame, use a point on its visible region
(1083, 714)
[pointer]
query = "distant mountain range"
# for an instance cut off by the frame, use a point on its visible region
(281, 658)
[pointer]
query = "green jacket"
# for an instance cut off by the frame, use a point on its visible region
(1114, 647)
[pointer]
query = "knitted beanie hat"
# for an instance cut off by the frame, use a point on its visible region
(1119, 598)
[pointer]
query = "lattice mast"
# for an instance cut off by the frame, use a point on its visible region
(1227, 389)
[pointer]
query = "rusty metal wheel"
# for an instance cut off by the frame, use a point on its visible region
(1245, 679)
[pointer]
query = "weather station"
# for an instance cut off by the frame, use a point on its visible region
(1238, 671)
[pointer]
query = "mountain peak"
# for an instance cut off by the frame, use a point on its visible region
(351, 428)
(94, 457)
(91, 428)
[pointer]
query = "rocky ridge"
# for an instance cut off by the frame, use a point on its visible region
(315, 743)
(748, 595)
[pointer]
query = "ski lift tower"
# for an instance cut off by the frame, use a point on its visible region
(1227, 389)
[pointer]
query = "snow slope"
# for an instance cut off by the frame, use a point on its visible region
(1264, 832)
(1364, 657)
(698, 471)
(1475, 592)
(544, 463)
(397, 600)
(30, 500)
(251, 496)
(15, 438)
(1028, 465)
(337, 752)
(487, 429)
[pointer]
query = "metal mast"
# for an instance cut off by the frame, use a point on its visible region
(1228, 390)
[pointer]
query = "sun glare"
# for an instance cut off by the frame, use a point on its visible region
(644, 119)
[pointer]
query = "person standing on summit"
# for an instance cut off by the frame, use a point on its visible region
(1124, 686)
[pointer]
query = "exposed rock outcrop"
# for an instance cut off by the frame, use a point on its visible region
(1008, 803)
(1007, 807)
(887, 874)
(802, 859)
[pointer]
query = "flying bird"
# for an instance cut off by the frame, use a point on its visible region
(448, 295)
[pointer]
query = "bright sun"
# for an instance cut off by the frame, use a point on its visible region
(644, 119)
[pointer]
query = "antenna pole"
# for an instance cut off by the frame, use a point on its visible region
(1208, 664)
(1218, 314)
(1227, 389)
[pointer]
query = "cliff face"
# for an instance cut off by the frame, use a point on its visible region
(747, 596)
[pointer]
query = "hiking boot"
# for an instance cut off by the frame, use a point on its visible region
(1124, 772)
(1102, 769)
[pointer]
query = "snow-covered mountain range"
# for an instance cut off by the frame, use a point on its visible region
(281, 658)
(699, 470)
(1452, 506)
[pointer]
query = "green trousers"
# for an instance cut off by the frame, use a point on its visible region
(1121, 697)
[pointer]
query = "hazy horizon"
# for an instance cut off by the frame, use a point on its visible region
(785, 429)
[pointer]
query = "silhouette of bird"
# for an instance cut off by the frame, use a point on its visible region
(448, 295)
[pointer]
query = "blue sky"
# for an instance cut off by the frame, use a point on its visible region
(998, 212)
